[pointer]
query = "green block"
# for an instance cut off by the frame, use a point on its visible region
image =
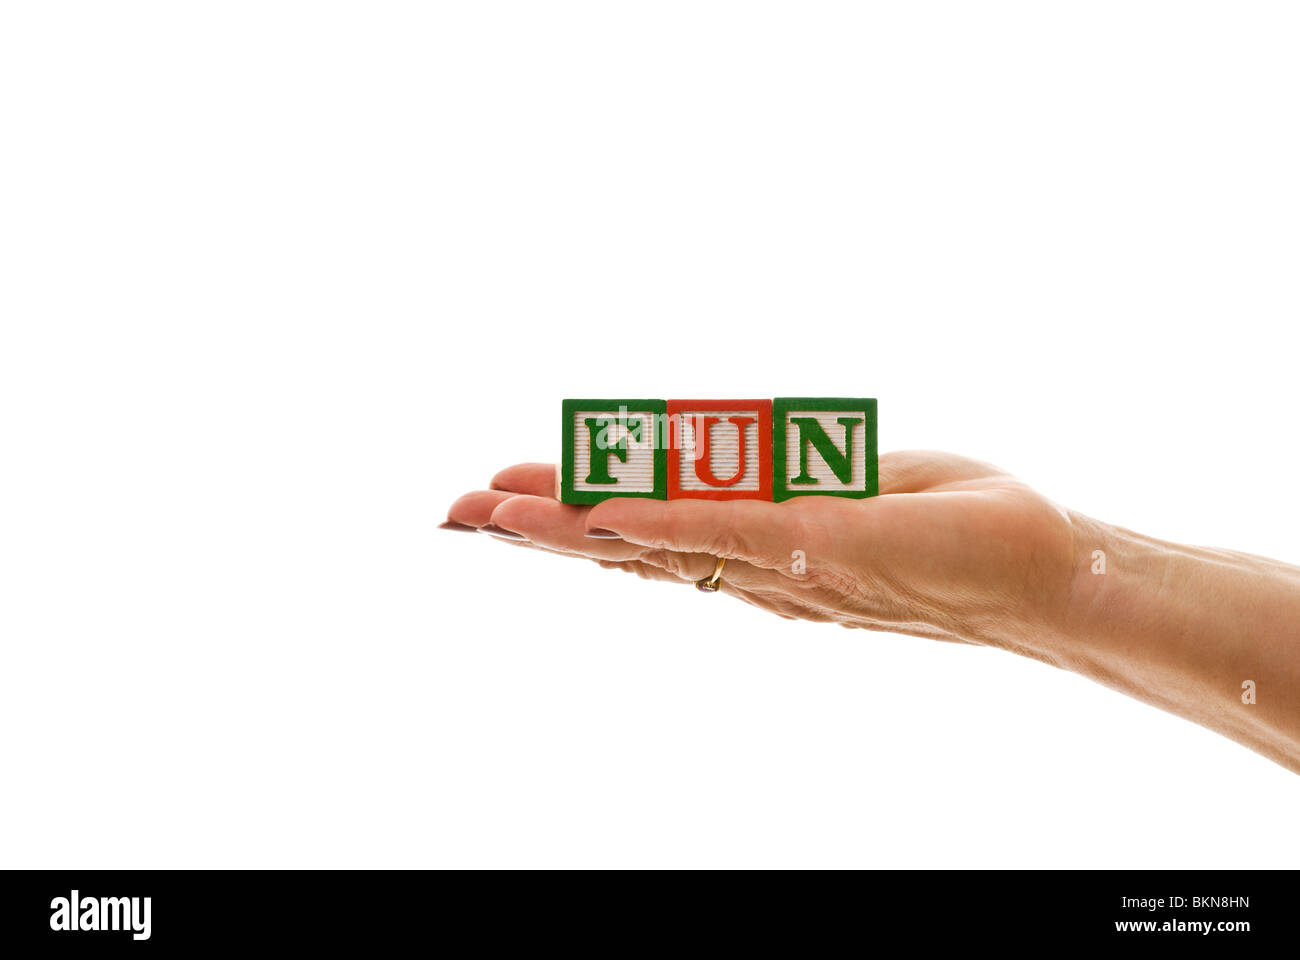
(614, 448)
(823, 447)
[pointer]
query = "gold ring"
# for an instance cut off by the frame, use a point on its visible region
(711, 584)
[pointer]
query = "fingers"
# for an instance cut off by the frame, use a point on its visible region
(755, 526)
(757, 532)
(557, 526)
(563, 528)
(475, 509)
(543, 523)
(535, 479)
(645, 571)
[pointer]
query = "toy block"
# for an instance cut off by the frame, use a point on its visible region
(720, 449)
(823, 447)
(614, 448)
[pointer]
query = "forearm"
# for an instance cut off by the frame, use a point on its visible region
(1185, 628)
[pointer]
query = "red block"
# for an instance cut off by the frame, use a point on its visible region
(720, 449)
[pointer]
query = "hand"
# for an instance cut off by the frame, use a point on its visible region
(952, 548)
(956, 549)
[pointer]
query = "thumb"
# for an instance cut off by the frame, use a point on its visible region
(755, 531)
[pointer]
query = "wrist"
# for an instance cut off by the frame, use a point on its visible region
(1186, 629)
(1084, 607)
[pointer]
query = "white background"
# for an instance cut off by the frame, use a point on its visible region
(279, 281)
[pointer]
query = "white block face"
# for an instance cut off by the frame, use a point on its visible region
(724, 450)
(817, 466)
(637, 474)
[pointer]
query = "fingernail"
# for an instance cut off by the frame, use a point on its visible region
(600, 533)
(496, 531)
(453, 525)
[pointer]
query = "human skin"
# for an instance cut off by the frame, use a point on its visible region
(954, 549)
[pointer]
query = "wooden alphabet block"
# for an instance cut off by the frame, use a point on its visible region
(720, 449)
(823, 446)
(614, 448)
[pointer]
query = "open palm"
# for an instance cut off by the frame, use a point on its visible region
(950, 544)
